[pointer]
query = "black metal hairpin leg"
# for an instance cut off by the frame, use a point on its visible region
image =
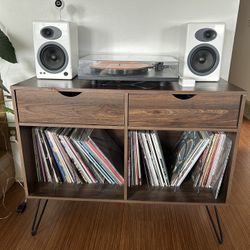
(218, 232)
(37, 220)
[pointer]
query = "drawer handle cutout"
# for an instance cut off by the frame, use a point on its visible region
(69, 94)
(183, 96)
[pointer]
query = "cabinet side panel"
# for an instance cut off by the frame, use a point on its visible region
(28, 157)
(236, 146)
(23, 173)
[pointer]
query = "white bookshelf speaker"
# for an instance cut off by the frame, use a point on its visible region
(56, 49)
(201, 53)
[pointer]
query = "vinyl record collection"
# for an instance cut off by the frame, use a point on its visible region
(210, 168)
(153, 160)
(204, 154)
(76, 155)
(188, 150)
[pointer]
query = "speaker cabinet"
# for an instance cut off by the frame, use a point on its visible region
(56, 49)
(201, 52)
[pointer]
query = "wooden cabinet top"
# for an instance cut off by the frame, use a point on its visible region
(174, 87)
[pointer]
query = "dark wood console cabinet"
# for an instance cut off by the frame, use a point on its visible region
(167, 108)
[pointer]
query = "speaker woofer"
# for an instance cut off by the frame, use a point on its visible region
(203, 59)
(52, 57)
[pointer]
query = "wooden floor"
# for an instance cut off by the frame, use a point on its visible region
(85, 225)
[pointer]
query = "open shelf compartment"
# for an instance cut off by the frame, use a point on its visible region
(186, 193)
(67, 190)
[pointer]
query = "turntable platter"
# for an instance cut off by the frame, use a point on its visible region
(120, 67)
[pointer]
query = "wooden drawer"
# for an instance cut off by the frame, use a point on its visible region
(53, 106)
(190, 111)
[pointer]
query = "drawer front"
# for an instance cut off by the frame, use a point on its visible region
(52, 106)
(189, 111)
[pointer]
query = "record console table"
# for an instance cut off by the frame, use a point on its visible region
(119, 108)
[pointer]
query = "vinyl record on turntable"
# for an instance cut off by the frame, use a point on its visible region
(120, 67)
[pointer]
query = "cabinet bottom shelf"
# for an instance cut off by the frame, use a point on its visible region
(79, 191)
(184, 194)
(115, 193)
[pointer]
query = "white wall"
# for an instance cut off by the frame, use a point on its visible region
(240, 68)
(124, 26)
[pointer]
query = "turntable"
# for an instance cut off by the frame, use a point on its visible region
(128, 68)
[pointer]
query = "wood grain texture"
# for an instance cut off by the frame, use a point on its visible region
(40, 104)
(201, 110)
(83, 191)
(68, 125)
(232, 160)
(126, 148)
(185, 194)
(20, 148)
(28, 158)
(94, 226)
(221, 86)
(53, 106)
